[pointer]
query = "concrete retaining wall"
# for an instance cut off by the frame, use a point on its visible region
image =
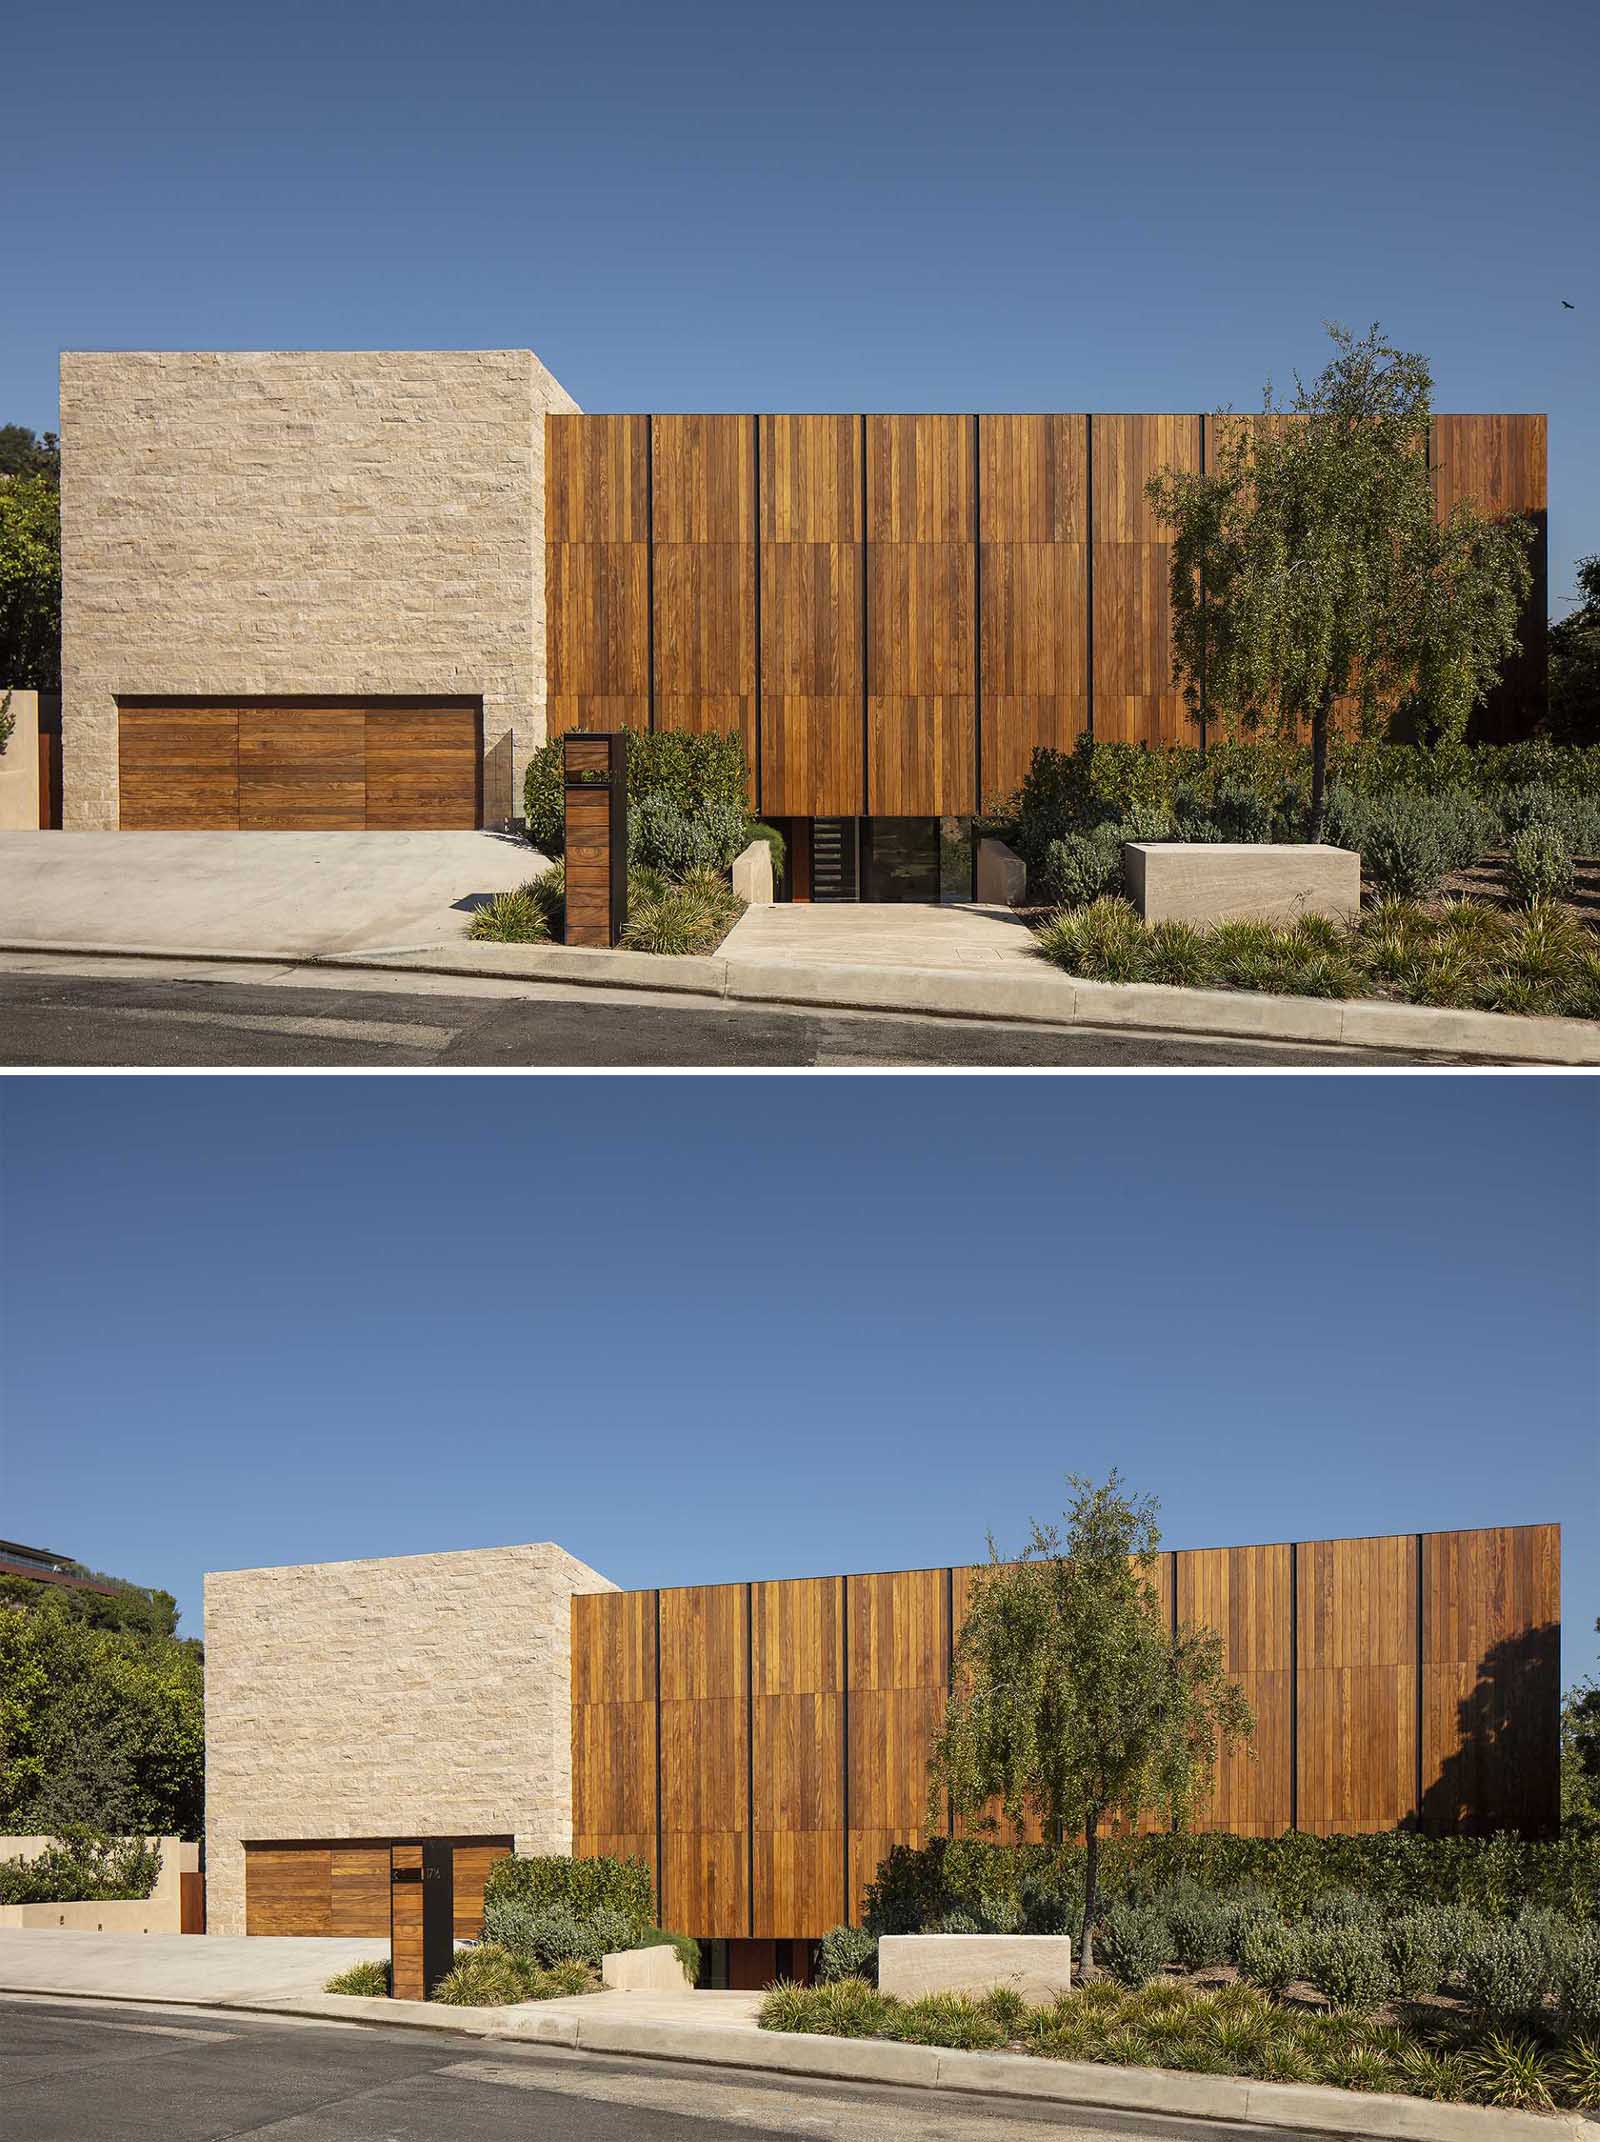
(19, 784)
(159, 1913)
(1038, 1966)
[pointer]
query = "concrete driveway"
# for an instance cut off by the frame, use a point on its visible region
(295, 894)
(175, 1967)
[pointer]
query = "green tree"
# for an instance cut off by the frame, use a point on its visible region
(1575, 663)
(102, 1723)
(30, 583)
(1074, 1699)
(1580, 1758)
(1310, 573)
(26, 453)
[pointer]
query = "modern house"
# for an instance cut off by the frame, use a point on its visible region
(39, 1565)
(346, 590)
(762, 1745)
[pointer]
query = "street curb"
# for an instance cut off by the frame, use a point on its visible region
(1044, 997)
(1294, 2108)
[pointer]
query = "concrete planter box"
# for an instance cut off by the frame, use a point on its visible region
(654, 1970)
(752, 874)
(1002, 874)
(1038, 1966)
(1202, 882)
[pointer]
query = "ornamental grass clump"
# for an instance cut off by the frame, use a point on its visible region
(370, 1979)
(949, 2019)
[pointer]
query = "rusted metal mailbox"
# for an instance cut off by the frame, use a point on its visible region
(595, 804)
(422, 1902)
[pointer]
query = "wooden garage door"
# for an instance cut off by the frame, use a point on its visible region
(342, 1887)
(277, 765)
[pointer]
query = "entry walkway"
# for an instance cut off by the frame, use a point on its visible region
(864, 934)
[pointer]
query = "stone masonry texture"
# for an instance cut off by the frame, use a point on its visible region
(425, 1695)
(301, 522)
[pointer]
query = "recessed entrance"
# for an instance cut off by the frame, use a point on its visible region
(924, 861)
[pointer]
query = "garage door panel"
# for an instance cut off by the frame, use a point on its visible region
(179, 768)
(342, 767)
(302, 769)
(288, 1890)
(422, 769)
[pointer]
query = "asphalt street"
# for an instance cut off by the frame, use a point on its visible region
(137, 1014)
(98, 2072)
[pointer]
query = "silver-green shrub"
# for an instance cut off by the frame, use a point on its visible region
(1080, 867)
(1135, 1942)
(848, 1952)
(1540, 864)
(1271, 1955)
(1347, 1963)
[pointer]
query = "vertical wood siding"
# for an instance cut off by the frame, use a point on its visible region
(797, 1724)
(705, 1759)
(1243, 1593)
(893, 610)
(1033, 528)
(703, 532)
(802, 1754)
(1491, 1679)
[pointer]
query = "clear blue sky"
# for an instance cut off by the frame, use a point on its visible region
(704, 1329)
(1026, 204)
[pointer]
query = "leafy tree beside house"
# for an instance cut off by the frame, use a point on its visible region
(1575, 663)
(1580, 1759)
(1074, 1700)
(1310, 573)
(30, 583)
(102, 1713)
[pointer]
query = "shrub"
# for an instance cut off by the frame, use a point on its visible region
(371, 1979)
(950, 2019)
(1402, 848)
(1540, 865)
(664, 836)
(1577, 1983)
(1417, 1947)
(1508, 1973)
(1136, 1942)
(486, 1977)
(691, 917)
(695, 772)
(579, 1886)
(82, 1867)
(1080, 867)
(1346, 1961)
(848, 1952)
(844, 2008)
(511, 918)
(1201, 1925)
(775, 841)
(1271, 1956)
(549, 1934)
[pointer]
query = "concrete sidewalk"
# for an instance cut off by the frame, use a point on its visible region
(720, 2030)
(252, 894)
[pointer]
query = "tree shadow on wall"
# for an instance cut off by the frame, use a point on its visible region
(1502, 1771)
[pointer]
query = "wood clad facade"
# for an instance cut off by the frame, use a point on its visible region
(893, 611)
(1414, 1677)
(270, 766)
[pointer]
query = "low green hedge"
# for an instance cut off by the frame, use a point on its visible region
(82, 1868)
(580, 1887)
(701, 779)
(1038, 1886)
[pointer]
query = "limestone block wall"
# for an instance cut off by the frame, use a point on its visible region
(295, 522)
(425, 1695)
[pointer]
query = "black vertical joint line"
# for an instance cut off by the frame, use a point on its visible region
(750, 1759)
(866, 686)
(1173, 1559)
(661, 1902)
(1294, 1684)
(1419, 1680)
(844, 1734)
(650, 562)
(1205, 636)
(949, 1676)
(755, 529)
(977, 643)
(1088, 569)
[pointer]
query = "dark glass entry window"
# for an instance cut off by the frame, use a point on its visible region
(900, 859)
